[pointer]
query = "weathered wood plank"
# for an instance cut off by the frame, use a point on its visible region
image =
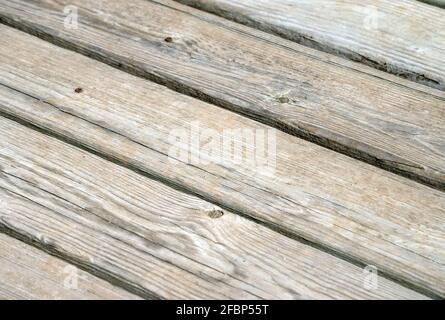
(154, 238)
(389, 122)
(404, 37)
(341, 204)
(28, 273)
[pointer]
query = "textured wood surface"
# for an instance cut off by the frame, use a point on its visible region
(153, 239)
(29, 273)
(341, 204)
(390, 122)
(404, 37)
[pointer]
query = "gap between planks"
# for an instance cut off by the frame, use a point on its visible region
(335, 202)
(438, 3)
(155, 239)
(400, 37)
(29, 273)
(388, 122)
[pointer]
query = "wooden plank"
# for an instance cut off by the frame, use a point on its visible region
(28, 273)
(338, 203)
(152, 238)
(392, 123)
(405, 37)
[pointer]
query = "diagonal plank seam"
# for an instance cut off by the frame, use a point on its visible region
(92, 224)
(28, 273)
(308, 41)
(274, 227)
(46, 247)
(88, 268)
(307, 54)
(135, 68)
(135, 163)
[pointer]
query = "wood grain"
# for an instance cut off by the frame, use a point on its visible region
(404, 37)
(389, 122)
(27, 273)
(339, 204)
(156, 240)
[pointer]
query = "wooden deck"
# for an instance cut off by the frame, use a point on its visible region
(114, 118)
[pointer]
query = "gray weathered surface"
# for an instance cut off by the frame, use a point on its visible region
(379, 118)
(342, 204)
(155, 240)
(28, 273)
(404, 37)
